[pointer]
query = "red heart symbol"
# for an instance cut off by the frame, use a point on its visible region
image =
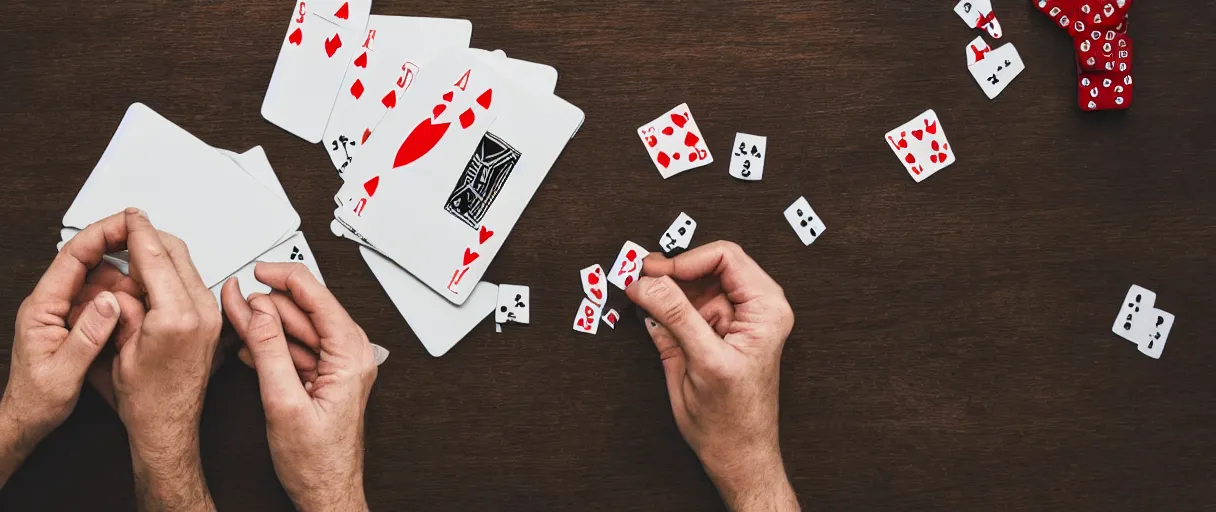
(356, 89)
(582, 326)
(676, 155)
(691, 139)
(448, 97)
(467, 119)
(343, 12)
(367, 132)
(663, 159)
(931, 128)
(390, 99)
(631, 255)
(332, 45)
(593, 279)
(668, 131)
(485, 234)
(296, 37)
(941, 157)
(933, 158)
(934, 145)
(598, 294)
(628, 281)
(470, 257)
(652, 141)
(485, 99)
(361, 61)
(419, 142)
(439, 109)
(679, 120)
(692, 156)
(371, 185)
(919, 134)
(911, 159)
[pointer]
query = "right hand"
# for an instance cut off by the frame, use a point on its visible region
(314, 388)
(720, 323)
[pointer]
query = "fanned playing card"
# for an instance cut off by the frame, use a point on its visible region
(462, 188)
(188, 189)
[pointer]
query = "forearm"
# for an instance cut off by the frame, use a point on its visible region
(758, 483)
(17, 441)
(171, 480)
(348, 500)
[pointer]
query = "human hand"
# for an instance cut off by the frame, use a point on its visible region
(314, 388)
(720, 322)
(162, 366)
(49, 361)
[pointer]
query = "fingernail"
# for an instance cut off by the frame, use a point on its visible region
(106, 304)
(650, 323)
(143, 214)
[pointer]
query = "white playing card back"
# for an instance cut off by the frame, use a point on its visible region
(188, 189)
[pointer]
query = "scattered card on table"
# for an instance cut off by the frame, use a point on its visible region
(747, 159)
(979, 14)
(805, 221)
(628, 265)
(595, 286)
(921, 145)
(1138, 303)
(513, 304)
(679, 235)
(1155, 333)
(611, 318)
(587, 320)
(998, 68)
(977, 50)
(675, 143)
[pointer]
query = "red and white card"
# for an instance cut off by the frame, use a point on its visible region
(587, 319)
(675, 143)
(308, 73)
(595, 284)
(628, 265)
(921, 146)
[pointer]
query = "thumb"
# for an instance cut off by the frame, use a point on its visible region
(93, 327)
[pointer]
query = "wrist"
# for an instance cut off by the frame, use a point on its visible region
(752, 480)
(170, 478)
(16, 443)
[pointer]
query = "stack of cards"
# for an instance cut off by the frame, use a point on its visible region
(441, 148)
(1103, 49)
(1140, 322)
(229, 209)
(622, 273)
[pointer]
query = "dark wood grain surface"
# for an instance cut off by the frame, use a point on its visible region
(952, 348)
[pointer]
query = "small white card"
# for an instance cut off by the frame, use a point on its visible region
(587, 320)
(805, 221)
(679, 235)
(747, 157)
(1155, 333)
(611, 318)
(921, 146)
(594, 285)
(1136, 306)
(628, 265)
(514, 302)
(675, 143)
(997, 69)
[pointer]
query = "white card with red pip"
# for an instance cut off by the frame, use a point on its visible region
(921, 145)
(628, 265)
(675, 143)
(309, 70)
(587, 319)
(595, 284)
(445, 179)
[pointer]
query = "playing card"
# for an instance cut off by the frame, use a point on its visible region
(293, 250)
(380, 71)
(439, 324)
(587, 320)
(187, 188)
(1129, 325)
(350, 14)
(979, 14)
(595, 286)
(679, 235)
(997, 69)
(611, 318)
(747, 159)
(921, 145)
(1156, 332)
(462, 197)
(675, 143)
(628, 265)
(308, 73)
(805, 221)
(513, 304)
(977, 50)
(532, 76)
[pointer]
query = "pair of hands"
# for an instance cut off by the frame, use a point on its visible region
(164, 325)
(720, 323)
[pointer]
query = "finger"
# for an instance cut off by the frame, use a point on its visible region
(742, 278)
(151, 265)
(328, 316)
(667, 304)
(718, 312)
(130, 319)
(235, 307)
(67, 272)
(109, 277)
(89, 334)
(296, 321)
(179, 254)
(305, 360)
(277, 376)
(672, 356)
(101, 378)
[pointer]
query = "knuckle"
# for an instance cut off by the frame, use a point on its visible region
(262, 328)
(298, 274)
(731, 248)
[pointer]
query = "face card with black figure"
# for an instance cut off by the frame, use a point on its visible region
(805, 221)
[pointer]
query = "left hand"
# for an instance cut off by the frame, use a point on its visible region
(49, 361)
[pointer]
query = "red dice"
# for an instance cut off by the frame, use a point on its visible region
(1111, 90)
(1103, 48)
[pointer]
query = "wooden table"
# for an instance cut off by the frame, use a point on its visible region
(953, 346)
